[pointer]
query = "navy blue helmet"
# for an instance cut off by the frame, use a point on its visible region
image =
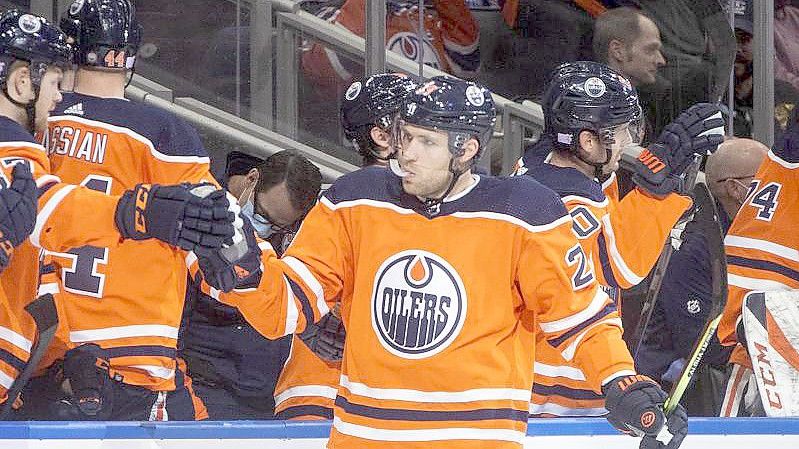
(105, 32)
(590, 96)
(462, 108)
(374, 101)
(31, 38)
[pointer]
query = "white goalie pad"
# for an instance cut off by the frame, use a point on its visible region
(771, 324)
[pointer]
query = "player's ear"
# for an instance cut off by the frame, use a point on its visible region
(616, 50)
(380, 137)
(470, 149)
(252, 176)
(588, 142)
(19, 83)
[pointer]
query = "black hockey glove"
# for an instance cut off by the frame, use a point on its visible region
(18, 205)
(698, 130)
(326, 338)
(86, 367)
(635, 407)
(235, 266)
(189, 216)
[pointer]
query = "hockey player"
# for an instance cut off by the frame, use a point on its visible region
(32, 54)
(590, 115)
(307, 385)
(123, 304)
(441, 331)
(763, 255)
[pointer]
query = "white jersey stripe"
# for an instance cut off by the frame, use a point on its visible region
(15, 339)
(402, 394)
(310, 280)
(755, 284)
(762, 245)
(156, 371)
(570, 350)
(563, 324)
(111, 333)
(613, 250)
(47, 210)
(559, 410)
(568, 372)
(454, 433)
(292, 313)
(5, 380)
(322, 391)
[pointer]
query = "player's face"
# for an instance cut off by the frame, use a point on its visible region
(621, 137)
(643, 56)
(424, 155)
(49, 96)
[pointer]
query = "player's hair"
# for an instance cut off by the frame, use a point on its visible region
(303, 178)
(366, 146)
(621, 24)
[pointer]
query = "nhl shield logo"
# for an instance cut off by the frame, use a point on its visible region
(418, 304)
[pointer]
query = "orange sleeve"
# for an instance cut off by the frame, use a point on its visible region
(576, 317)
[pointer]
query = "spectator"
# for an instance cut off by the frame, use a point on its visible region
(684, 300)
(742, 123)
(234, 368)
(786, 42)
(629, 42)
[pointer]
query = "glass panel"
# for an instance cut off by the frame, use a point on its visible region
(786, 66)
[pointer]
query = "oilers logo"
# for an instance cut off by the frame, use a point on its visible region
(407, 44)
(418, 304)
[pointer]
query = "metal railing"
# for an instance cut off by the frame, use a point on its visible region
(292, 25)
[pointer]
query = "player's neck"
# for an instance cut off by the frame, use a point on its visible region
(15, 113)
(100, 84)
(465, 180)
(560, 159)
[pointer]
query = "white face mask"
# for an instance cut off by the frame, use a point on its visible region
(263, 227)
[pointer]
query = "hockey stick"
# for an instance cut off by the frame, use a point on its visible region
(659, 272)
(44, 314)
(707, 221)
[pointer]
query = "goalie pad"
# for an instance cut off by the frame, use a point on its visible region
(771, 325)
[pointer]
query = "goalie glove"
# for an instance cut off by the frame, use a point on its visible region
(188, 216)
(635, 407)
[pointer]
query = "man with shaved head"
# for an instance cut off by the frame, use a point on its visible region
(685, 296)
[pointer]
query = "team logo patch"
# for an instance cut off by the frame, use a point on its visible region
(474, 95)
(407, 44)
(29, 23)
(76, 6)
(594, 87)
(353, 91)
(693, 306)
(418, 304)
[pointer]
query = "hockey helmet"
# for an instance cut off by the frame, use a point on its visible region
(374, 101)
(590, 96)
(106, 33)
(31, 38)
(462, 108)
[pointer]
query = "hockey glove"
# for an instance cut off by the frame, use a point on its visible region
(698, 130)
(635, 407)
(326, 338)
(86, 368)
(18, 206)
(185, 215)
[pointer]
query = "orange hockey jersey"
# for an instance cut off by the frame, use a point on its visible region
(761, 246)
(63, 213)
(307, 385)
(623, 240)
(450, 44)
(441, 311)
(128, 299)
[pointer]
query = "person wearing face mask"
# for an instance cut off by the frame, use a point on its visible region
(685, 295)
(233, 367)
(591, 113)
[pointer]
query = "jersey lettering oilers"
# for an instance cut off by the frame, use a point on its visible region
(451, 42)
(622, 240)
(441, 333)
(127, 299)
(761, 245)
(63, 213)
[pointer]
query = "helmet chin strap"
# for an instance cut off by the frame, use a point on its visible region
(433, 205)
